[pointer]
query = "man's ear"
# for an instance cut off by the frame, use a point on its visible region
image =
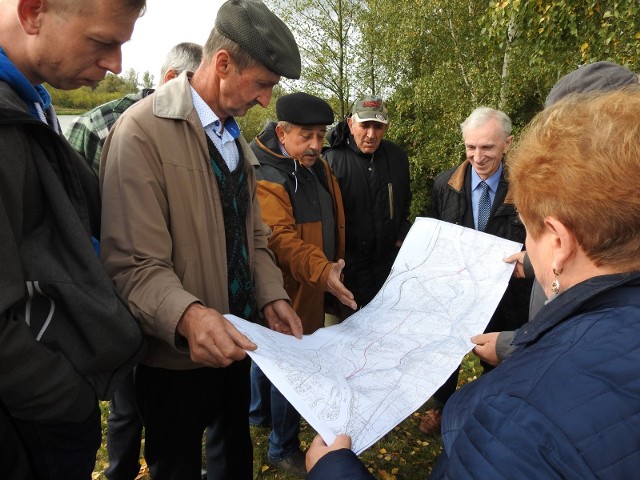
(280, 133)
(29, 14)
(507, 143)
(222, 61)
(170, 75)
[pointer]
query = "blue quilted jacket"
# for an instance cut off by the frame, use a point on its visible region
(566, 404)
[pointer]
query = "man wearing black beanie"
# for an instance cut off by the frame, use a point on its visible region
(300, 200)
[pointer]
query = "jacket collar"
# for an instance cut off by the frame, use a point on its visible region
(572, 301)
(173, 100)
(456, 181)
(268, 153)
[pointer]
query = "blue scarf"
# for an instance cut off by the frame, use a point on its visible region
(30, 94)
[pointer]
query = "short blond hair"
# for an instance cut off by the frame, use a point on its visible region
(579, 161)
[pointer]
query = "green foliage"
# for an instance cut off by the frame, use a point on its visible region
(147, 80)
(572, 31)
(326, 33)
(254, 121)
(436, 61)
(81, 99)
(86, 98)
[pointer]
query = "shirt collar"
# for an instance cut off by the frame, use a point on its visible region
(210, 120)
(492, 181)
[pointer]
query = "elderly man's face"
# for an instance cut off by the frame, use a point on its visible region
(486, 146)
(78, 47)
(241, 90)
(303, 142)
(367, 135)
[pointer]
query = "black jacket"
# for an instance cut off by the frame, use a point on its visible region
(451, 200)
(66, 337)
(376, 193)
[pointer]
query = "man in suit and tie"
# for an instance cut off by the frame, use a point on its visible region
(476, 194)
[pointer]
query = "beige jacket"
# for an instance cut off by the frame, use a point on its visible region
(163, 239)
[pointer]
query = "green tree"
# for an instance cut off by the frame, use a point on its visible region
(147, 80)
(86, 98)
(571, 32)
(130, 79)
(328, 36)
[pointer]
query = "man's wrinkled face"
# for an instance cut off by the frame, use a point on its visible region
(77, 48)
(303, 142)
(241, 90)
(485, 147)
(367, 135)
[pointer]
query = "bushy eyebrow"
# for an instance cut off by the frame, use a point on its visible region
(484, 145)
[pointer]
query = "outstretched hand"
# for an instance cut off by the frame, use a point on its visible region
(336, 288)
(319, 448)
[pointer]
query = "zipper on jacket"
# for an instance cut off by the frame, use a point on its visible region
(390, 188)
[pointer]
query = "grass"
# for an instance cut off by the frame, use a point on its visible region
(69, 111)
(405, 453)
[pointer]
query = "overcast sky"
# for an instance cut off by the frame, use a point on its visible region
(165, 24)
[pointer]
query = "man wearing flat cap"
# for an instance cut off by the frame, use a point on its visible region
(373, 173)
(184, 241)
(301, 202)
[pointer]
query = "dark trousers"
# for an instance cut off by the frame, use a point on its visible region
(124, 433)
(49, 451)
(15, 461)
(177, 406)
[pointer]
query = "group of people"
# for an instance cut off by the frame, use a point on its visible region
(564, 401)
(178, 194)
(116, 284)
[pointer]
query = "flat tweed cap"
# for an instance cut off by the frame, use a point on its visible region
(303, 109)
(262, 34)
(598, 76)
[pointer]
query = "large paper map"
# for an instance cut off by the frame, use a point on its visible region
(364, 376)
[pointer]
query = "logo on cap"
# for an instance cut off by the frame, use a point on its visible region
(369, 104)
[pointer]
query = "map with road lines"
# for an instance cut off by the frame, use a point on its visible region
(367, 374)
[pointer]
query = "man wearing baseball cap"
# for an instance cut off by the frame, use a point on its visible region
(300, 200)
(184, 241)
(373, 174)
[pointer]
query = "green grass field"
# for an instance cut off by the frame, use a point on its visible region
(405, 453)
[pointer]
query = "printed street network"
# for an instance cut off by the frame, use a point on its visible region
(364, 376)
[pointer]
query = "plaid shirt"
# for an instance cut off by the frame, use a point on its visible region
(87, 133)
